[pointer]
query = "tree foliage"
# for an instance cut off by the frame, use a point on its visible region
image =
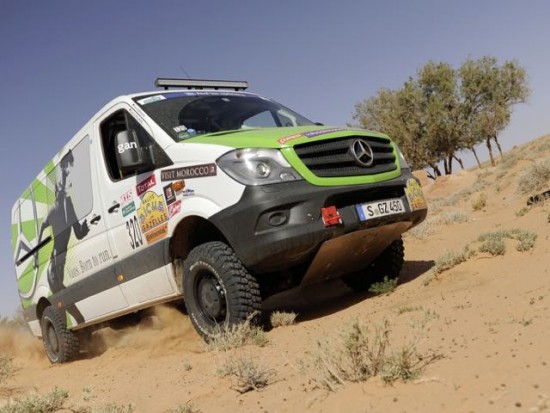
(445, 110)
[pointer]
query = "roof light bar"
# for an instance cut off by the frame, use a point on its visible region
(201, 84)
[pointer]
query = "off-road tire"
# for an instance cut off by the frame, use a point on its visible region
(60, 343)
(388, 264)
(218, 290)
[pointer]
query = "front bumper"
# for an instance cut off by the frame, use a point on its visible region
(276, 227)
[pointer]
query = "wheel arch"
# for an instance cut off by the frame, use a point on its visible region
(189, 233)
(41, 306)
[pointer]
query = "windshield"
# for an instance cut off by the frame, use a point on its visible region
(186, 114)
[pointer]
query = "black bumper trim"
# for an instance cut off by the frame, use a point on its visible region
(278, 226)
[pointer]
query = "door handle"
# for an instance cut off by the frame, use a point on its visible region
(113, 208)
(95, 219)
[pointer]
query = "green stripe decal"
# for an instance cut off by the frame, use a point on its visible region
(42, 193)
(25, 282)
(29, 229)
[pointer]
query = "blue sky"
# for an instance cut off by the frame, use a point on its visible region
(60, 61)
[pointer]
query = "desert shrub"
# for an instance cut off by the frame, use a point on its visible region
(238, 335)
(479, 202)
(360, 354)
(386, 286)
(494, 241)
(454, 217)
(535, 177)
(493, 245)
(407, 309)
(113, 408)
(522, 211)
(184, 408)
(451, 259)
(448, 260)
(282, 318)
(247, 374)
(34, 403)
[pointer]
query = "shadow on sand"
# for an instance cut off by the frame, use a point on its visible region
(330, 297)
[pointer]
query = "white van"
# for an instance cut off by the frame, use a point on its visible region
(205, 192)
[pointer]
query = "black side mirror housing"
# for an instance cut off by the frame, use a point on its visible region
(130, 155)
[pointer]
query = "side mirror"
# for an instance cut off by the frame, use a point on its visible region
(130, 155)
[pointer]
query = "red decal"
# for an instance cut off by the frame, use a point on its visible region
(145, 185)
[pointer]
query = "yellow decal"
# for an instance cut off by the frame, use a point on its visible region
(415, 195)
(152, 215)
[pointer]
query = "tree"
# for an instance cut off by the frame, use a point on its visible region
(443, 111)
(489, 92)
(400, 114)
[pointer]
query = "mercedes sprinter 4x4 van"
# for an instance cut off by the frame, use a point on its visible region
(205, 192)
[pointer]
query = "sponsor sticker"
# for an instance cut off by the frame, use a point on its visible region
(169, 194)
(145, 185)
(174, 208)
(152, 212)
(156, 234)
(188, 172)
(415, 196)
(128, 209)
(178, 186)
(290, 138)
(314, 134)
(126, 197)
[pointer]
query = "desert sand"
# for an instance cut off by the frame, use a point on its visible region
(487, 319)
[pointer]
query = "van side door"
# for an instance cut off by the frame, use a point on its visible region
(135, 206)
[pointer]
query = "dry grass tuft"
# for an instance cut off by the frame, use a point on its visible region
(360, 354)
(247, 375)
(236, 336)
(282, 318)
(34, 403)
(479, 202)
(534, 178)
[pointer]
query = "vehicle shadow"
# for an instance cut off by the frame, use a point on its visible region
(320, 300)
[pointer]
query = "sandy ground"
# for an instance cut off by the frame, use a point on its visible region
(488, 319)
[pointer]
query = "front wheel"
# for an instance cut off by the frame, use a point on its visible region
(388, 264)
(217, 289)
(60, 343)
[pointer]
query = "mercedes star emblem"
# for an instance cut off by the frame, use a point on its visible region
(362, 153)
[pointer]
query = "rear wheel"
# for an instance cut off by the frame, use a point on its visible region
(388, 264)
(60, 343)
(218, 291)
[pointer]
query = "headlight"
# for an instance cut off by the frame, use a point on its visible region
(257, 166)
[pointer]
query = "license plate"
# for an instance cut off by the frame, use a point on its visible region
(379, 209)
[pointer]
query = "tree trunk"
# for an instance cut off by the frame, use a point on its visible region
(498, 145)
(449, 166)
(488, 143)
(436, 170)
(475, 154)
(459, 161)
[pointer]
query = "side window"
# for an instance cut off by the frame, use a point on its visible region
(121, 121)
(286, 119)
(70, 175)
